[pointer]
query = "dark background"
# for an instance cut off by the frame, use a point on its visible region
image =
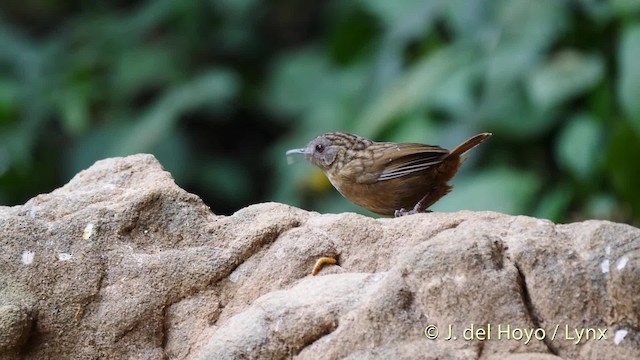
(218, 90)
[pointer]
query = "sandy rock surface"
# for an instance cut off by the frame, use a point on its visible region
(121, 263)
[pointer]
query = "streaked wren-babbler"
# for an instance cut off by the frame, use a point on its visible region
(384, 177)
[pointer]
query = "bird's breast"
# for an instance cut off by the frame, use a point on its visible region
(384, 197)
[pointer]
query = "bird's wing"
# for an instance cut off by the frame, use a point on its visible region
(406, 159)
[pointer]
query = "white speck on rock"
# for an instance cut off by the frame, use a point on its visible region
(64, 256)
(460, 279)
(607, 250)
(619, 336)
(622, 262)
(279, 325)
(605, 266)
(281, 254)
(542, 222)
(234, 276)
(27, 257)
(88, 231)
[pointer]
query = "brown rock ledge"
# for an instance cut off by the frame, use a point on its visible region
(122, 263)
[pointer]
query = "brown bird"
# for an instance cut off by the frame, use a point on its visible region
(384, 177)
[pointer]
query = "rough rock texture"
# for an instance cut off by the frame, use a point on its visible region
(122, 263)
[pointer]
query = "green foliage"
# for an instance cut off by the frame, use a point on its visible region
(578, 147)
(629, 79)
(218, 90)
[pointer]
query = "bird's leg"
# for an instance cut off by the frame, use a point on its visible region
(320, 263)
(420, 207)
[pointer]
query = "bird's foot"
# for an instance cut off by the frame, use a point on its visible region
(320, 263)
(420, 207)
(415, 210)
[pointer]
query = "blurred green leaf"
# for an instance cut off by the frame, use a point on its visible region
(415, 128)
(554, 203)
(135, 68)
(17, 142)
(601, 206)
(8, 101)
(322, 97)
(353, 36)
(599, 10)
(604, 10)
(74, 102)
(138, 22)
(536, 23)
(520, 34)
(509, 113)
(568, 74)
(414, 91)
(407, 14)
(298, 82)
(497, 189)
(508, 63)
(155, 126)
(5, 159)
(456, 94)
(213, 88)
(624, 169)
(234, 8)
(626, 7)
(629, 74)
(579, 146)
(238, 20)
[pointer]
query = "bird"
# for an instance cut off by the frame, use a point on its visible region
(387, 178)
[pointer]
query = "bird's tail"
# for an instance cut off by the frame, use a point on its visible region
(469, 144)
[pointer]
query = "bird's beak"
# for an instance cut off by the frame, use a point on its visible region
(294, 155)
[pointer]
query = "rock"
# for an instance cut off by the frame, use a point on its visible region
(15, 324)
(122, 263)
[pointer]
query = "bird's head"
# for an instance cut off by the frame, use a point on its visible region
(323, 150)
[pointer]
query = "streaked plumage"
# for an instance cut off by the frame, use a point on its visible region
(386, 177)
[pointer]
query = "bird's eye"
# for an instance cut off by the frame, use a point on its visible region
(320, 148)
